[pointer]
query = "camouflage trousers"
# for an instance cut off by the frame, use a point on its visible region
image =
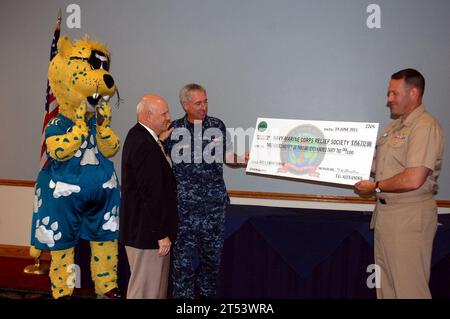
(200, 233)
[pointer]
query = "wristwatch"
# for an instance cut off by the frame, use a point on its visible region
(377, 188)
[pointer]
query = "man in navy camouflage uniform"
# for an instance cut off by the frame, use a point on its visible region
(198, 146)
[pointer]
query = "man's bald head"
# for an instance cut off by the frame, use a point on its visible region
(149, 102)
(153, 111)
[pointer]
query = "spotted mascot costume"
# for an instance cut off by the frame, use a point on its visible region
(77, 193)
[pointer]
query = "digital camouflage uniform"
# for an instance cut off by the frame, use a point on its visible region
(202, 200)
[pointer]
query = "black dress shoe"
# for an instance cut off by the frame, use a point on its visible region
(112, 294)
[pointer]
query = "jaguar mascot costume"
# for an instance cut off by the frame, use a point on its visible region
(77, 194)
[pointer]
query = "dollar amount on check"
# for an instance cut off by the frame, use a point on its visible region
(325, 151)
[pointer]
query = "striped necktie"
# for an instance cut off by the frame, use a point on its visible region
(164, 152)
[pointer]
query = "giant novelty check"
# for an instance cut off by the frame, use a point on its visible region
(325, 151)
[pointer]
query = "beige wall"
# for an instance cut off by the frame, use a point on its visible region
(16, 207)
(305, 60)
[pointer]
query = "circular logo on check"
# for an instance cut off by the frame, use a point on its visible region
(301, 151)
(262, 126)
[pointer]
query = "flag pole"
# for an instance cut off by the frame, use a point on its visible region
(58, 20)
(37, 268)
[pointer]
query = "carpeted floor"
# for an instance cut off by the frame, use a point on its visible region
(11, 293)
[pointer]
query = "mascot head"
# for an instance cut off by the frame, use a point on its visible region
(80, 71)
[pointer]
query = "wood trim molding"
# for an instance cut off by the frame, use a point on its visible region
(13, 251)
(303, 197)
(15, 182)
(314, 198)
(265, 195)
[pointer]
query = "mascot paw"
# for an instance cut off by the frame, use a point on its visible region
(80, 112)
(103, 115)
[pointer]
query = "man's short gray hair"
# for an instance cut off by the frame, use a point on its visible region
(186, 90)
(140, 108)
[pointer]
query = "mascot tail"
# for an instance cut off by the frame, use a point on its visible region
(35, 252)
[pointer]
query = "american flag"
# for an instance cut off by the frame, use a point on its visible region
(51, 105)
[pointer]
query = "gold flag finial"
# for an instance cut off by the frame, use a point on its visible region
(59, 19)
